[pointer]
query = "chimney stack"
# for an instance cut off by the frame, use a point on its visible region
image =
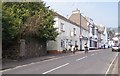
(76, 11)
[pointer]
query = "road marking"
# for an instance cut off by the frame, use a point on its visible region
(77, 53)
(92, 54)
(111, 65)
(74, 54)
(81, 58)
(95, 50)
(41, 62)
(96, 53)
(55, 68)
(29, 64)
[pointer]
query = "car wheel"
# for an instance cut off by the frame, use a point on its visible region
(112, 50)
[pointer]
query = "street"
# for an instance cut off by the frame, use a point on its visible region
(94, 62)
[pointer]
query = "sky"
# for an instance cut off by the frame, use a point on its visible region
(104, 12)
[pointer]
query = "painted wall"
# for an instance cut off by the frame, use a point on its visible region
(66, 35)
(85, 33)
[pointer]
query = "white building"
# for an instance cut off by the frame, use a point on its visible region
(77, 30)
(93, 34)
(104, 37)
(82, 22)
(68, 35)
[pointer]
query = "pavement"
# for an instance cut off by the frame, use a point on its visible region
(114, 67)
(14, 63)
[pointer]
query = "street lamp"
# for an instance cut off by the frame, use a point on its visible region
(80, 43)
(88, 23)
(80, 32)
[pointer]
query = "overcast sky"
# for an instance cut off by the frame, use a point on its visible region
(104, 12)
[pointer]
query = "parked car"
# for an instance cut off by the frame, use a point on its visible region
(115, 48)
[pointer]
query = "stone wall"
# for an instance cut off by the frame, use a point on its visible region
(26, 48)
(35, 48)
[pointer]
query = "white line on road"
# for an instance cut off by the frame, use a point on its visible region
(28, 64)
(55, 68)
(40, 62)
(81, 58)
(92, 54)
(111, 64)
(96, 53)
(95, 50)
(77, 53)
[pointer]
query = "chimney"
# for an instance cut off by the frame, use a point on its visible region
(76, 11)
(67, 16)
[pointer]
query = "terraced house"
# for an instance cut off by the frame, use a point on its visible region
(93, 34)
(77, 30)
(82, 21)
(68, 35)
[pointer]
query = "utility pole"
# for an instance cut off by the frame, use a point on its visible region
(80, 33)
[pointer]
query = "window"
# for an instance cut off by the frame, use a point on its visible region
(62, 43)
(90, 43)
(74, 31)
(95, 44)
(116, 41)
(93, 31)
(62, 27)
(75, 42)
(70, 42)
(97, 32)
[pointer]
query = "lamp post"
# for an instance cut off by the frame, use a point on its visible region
(81, 29)
(80, 33)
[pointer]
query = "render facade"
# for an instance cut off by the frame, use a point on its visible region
(68, 35)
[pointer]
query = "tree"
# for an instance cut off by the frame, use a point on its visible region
(110, 32)
(23, 19)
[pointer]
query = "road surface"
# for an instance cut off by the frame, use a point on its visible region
(94, 62)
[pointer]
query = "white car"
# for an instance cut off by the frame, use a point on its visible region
(116, 48)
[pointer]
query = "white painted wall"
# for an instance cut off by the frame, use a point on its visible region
(66, 34)
(94, 37)
(104, 38)
(85, 33)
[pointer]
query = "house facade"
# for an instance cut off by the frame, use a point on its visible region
(93, 35)
(84, 30)
(105, 38)
(77, 30)
(102, 36)
(99, 39)
(68, 35)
